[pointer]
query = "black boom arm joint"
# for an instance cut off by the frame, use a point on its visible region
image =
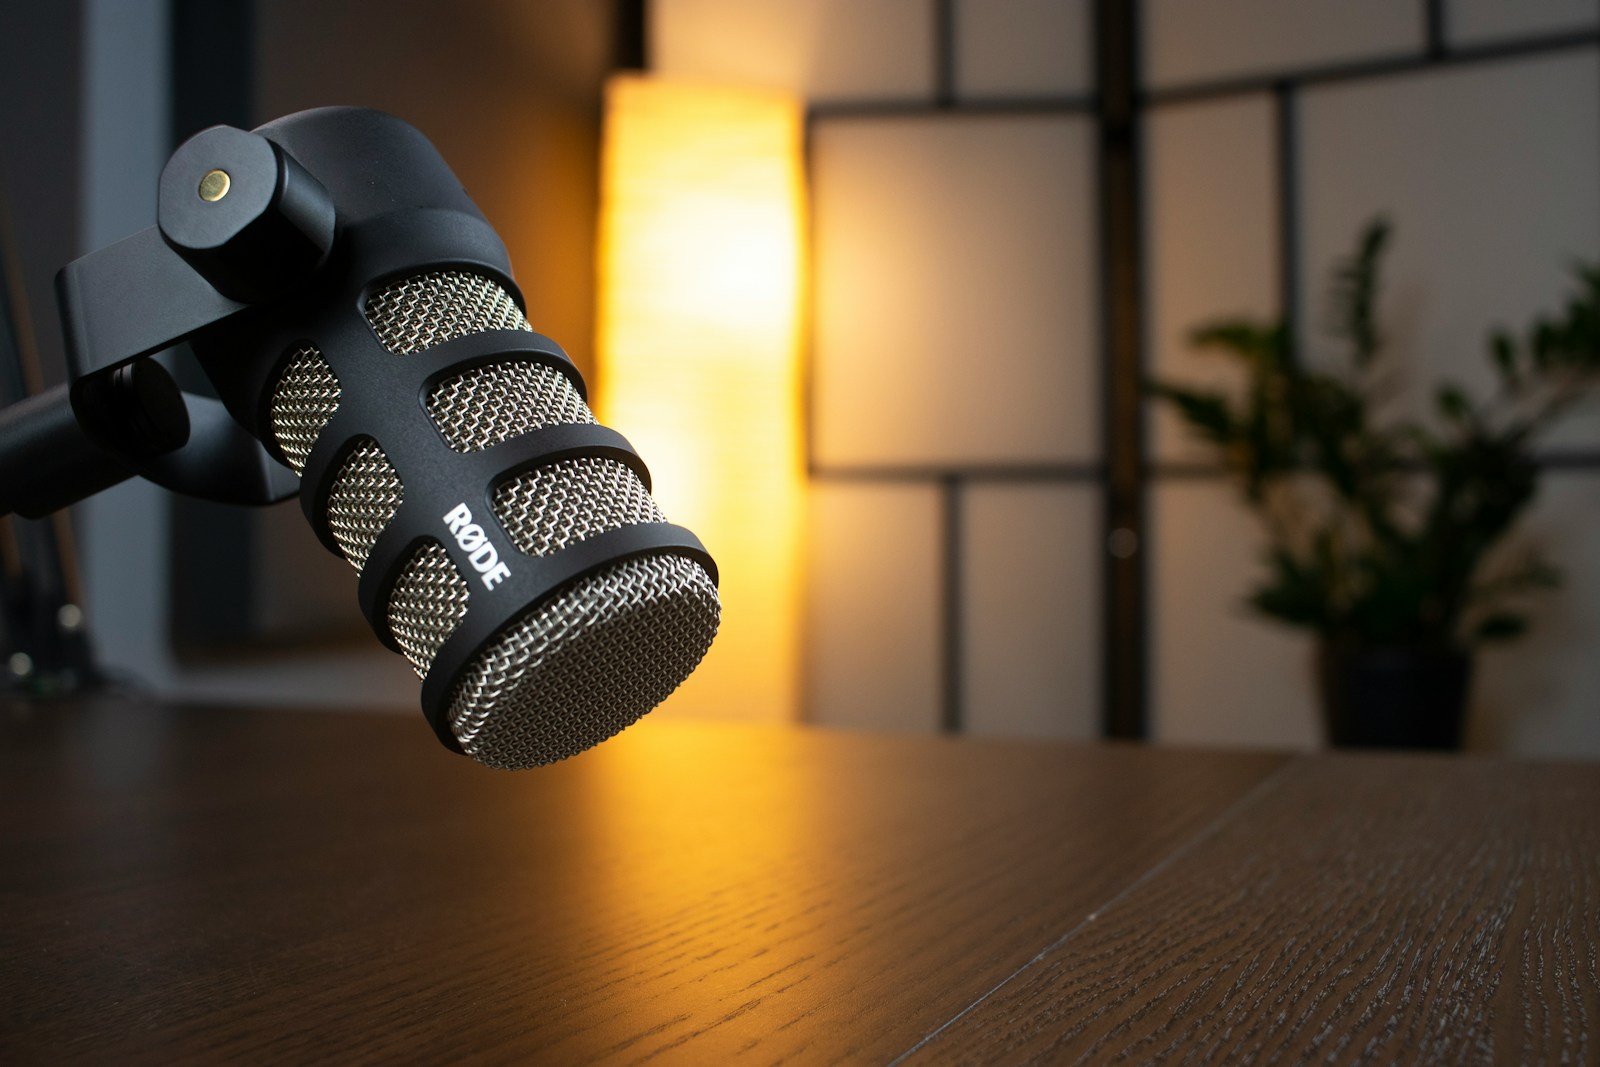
(240, 224)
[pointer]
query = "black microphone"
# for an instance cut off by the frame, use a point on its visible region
(374, 341)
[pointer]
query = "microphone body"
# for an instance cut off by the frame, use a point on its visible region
(507, 545)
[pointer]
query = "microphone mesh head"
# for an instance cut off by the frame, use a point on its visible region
(549, 508)
(426, 604)
(494, 403)
(305, 399)
(416, 313)
(365, 495)
(585, 663)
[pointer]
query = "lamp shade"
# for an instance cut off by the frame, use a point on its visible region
(701, 278)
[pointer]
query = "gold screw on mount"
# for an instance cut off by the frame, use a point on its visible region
(214, 186)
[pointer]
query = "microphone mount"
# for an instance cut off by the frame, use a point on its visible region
(240, 223)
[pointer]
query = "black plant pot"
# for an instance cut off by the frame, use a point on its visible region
(1393, 696)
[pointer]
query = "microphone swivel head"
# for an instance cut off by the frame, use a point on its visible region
(244, 214)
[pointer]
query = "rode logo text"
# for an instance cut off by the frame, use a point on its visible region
(475, 543)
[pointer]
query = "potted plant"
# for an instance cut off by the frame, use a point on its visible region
(1386, 535)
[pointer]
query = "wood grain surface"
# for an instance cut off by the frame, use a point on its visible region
(209, 883)
(1354, 910)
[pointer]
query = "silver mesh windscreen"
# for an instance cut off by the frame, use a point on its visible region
(487, 405)
(365, 495)
(551, 507)
(589, 661)
(426, 605)
(366, 491)
(305, 399)
(417, 313)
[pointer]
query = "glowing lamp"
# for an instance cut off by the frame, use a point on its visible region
(701, 272)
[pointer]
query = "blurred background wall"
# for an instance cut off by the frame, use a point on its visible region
(958, 548)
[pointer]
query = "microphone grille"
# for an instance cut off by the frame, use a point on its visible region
(487, 405)
(427, 603)
(364, 497)
(305, 399)
(586, 662)
(366, 490)
(549, 508)
(424, 310)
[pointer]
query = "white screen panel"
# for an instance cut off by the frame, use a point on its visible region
(1188, 41)
(1541, 695)
(1031, 605)
(872, 642)
(1023, 48)
(822, 49)
(955, 282)
(1471, 22)
(1221, 675)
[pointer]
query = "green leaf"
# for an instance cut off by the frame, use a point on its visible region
(1355, 294)
(1293, 593)
(1541, 575)
(1208, 415)
(1546, 345)
(1501, 626)
(1504, 354)
(1252, 341)
(1453, 404)
(1531, 572)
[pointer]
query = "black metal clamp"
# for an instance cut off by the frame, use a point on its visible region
(240, 222)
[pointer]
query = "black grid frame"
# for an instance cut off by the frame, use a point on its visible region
(1126, 474)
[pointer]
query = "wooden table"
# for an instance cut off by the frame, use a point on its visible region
(211, 883)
